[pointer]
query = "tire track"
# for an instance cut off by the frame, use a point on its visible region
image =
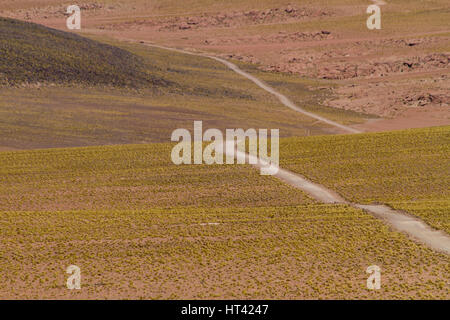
(415, 228)
(412, 226)
(281, 97)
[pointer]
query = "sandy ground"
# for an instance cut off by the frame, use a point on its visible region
(397, 73)
(283, 99)
(413, 226)
(421, 105)
(410, 118)
(4, 148)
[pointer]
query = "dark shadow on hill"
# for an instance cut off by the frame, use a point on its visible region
(31, 53)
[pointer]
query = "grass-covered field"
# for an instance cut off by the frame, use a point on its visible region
(140, 227)
(130, 177)
(201, 89)
(409, 170)
(307, 93)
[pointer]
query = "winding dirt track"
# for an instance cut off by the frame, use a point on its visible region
(283, 99)
(414, 227)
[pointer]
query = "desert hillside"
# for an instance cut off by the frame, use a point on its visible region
(31, 54)
(114, 186)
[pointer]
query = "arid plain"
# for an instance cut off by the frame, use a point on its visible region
(86, 176)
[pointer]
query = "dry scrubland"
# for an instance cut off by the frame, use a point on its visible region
(184, 89)
(400, 71)
(310, 94)
(308, 251)
(409, 170)
(141, 227)
(129, 177)
(34, 54)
